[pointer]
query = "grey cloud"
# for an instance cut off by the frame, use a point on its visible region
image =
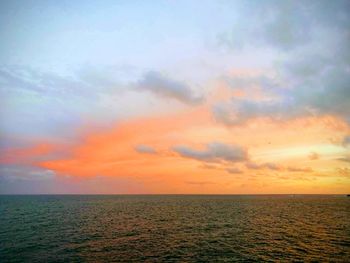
(208, 166)
(314, 156)
(326, 93)
(275, 167)
(48, 103)
(161, 86)
(344, 159)
(214, 152)
(19, 78)
(234, 171)
(108, 78)
(318, 92)
(269, 84)
(254, 166)
(283, 24)
(238, 110)
(312, 78)
(200, 183)
(286, 25)
(298, 169)
(24, 173)
(346, 141)
(145, 149)
(271, 166)
(344, 172)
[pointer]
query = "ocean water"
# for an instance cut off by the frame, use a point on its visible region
(174, 228)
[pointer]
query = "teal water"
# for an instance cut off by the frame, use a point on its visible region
(183, 228)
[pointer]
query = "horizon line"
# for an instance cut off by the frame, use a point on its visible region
(173, 194)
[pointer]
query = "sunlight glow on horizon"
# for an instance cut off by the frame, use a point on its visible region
(175, 97)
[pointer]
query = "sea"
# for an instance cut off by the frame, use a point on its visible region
(174, 228)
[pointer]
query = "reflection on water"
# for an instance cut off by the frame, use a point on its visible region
(174, 228)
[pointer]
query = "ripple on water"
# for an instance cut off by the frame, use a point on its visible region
(174, 228)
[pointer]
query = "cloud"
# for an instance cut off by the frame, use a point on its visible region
(36, 103)
(323, 92)
(214, 152)
(311, 78)
(234, 170)
(281, 24)
(167, 88)
(285, 25)
(26, 79)
(288, 26)
(314, 156)
(276, 167)
(199, 183)
(326, 92)
(42, 104)
(255, 166)
(238, 110)
(145, 149)
(344, 159)
(344, 172)
(208, 166)
(26, 155)
(247, 82)
(346, 141)
(273, 166)
(24, 173)
(298, 169)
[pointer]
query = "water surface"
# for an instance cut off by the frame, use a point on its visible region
(174, 228)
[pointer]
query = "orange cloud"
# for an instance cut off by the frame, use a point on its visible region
(25, 155)
(113, 152)
(280, 156)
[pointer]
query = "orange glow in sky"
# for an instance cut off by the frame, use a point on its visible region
(224, 102)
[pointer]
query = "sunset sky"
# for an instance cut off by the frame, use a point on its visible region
(178, 97)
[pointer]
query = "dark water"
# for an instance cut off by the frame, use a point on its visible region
(174, 228)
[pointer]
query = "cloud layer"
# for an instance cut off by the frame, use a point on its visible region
(310, 77)
(167, 98)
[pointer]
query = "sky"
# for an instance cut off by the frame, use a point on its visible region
(175, 97)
